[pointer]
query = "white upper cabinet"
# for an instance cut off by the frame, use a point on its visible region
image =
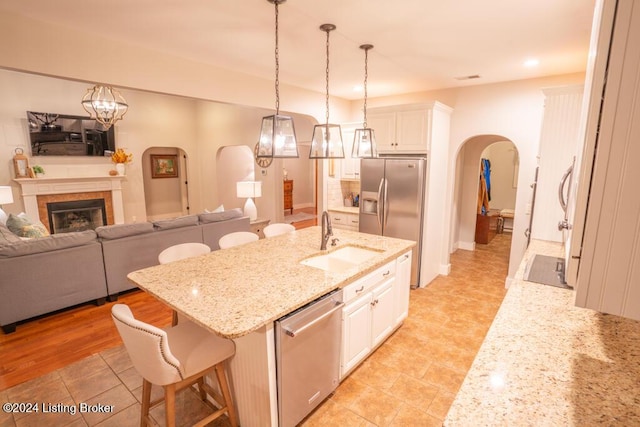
(404, 128)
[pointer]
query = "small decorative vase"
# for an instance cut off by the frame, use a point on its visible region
(120, 168)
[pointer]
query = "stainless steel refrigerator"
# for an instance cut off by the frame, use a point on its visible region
(392, 201)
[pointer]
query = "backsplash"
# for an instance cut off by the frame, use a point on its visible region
(338, 190)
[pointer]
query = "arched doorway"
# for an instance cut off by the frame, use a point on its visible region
(164, 174)
(503, 157)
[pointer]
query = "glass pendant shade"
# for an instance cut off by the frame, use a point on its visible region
(104, 104)
(278, 137)
(364, 143)
(326, 142)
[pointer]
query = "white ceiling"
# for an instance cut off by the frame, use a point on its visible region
(419, 44)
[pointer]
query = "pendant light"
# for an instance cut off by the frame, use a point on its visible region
(327, 138)
(104, 104)
(277, 134)
(364, 140)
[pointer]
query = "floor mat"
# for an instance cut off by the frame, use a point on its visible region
(298, 217)
(547, 270)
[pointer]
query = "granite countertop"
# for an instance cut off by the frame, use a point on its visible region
(545, 362)
(346, 209)
(235, 291)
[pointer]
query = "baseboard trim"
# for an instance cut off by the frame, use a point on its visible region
(508, 282)
(445, 269)
(467, 246)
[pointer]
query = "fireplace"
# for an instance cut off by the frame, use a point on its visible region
(76, 215)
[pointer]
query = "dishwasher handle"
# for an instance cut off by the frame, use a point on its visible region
(294, 333)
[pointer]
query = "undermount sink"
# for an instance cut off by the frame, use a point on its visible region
(341, 259)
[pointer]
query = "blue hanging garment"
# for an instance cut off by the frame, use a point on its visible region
(486, 169)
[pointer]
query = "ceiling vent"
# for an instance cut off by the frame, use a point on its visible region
(471, 77)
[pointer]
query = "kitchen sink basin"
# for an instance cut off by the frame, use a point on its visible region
(341, 259)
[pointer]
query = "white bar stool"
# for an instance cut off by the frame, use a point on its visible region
(237, 238)
(175, 359)
(277, 228)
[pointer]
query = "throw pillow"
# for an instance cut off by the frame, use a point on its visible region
(7, 237)
(216, 210)
(3, 217)
(22, 226)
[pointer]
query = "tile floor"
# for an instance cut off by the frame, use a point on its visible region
(410, 380)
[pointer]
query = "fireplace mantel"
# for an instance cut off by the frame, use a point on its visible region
(33, 187)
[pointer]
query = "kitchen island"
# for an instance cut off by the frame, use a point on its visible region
(239, 292)
(546, 362)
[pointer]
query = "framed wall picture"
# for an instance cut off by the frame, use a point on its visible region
(164, 165)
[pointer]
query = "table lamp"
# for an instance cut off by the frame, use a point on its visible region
(6, 196)
(249, 189)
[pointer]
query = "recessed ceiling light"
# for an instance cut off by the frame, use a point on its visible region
(532, 62)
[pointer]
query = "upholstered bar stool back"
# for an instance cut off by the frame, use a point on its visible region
(176, 358)
(182, 251)
(277, 228)
(237, 238)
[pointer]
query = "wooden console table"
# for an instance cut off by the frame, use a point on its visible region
(487, 226)
(288, 194)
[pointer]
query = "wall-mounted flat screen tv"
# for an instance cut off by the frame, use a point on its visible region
(65, 135)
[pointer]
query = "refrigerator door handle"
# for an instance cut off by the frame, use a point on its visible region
(380, 205)
(563, 181)
(386, 202)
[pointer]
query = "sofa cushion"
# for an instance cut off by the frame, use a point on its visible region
(7, 237)
(49, 243)
(118, 231)
(22, 226)
(206, 218)
(182, 221)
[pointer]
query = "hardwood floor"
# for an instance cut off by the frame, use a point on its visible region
(42, 345)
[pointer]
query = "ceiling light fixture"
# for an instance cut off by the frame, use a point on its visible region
(104, 104)
(531, 63)
(327, 138)
(364, 140)
(277, 134)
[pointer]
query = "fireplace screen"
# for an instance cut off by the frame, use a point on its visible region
(77, 215)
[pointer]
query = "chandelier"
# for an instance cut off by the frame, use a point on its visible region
(104, 104)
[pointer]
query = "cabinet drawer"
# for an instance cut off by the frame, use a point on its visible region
(288, 185)
(362, 285)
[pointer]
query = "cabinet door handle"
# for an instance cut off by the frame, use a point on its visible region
(387, 273)
(360, 290)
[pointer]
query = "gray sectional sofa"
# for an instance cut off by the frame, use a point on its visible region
(43, 275)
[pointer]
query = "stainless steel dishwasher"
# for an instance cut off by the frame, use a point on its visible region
(308, 357)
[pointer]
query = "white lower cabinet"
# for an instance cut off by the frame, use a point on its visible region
(369, 315)
(344, 220)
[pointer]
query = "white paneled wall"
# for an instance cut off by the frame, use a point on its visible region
(609, 273)
(558, 146)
